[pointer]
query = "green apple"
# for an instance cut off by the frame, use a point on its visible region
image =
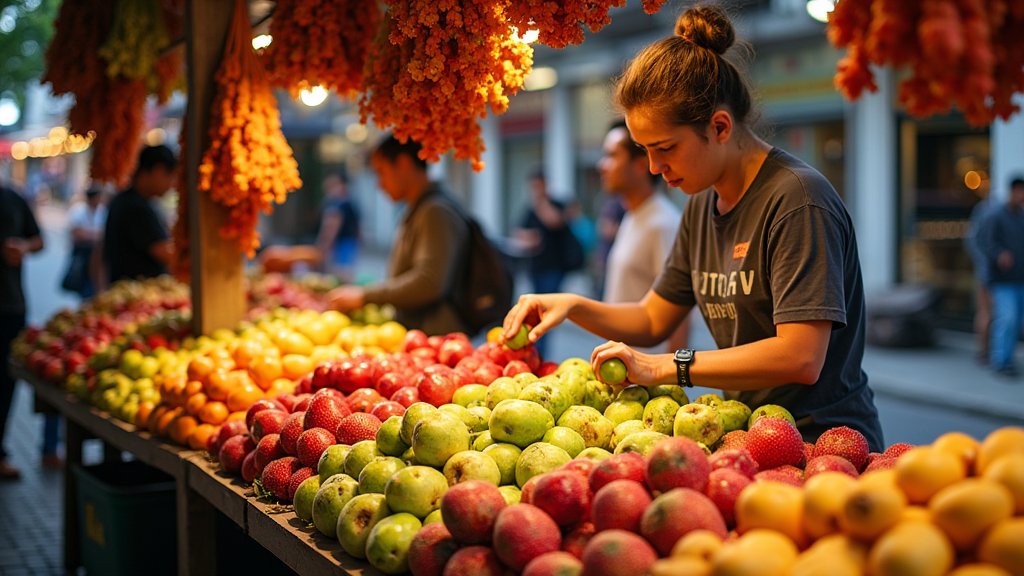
(471, 395)
(481, 419)
(578, 365)
(698, 422)
(460, 412)
(660, 414)
(482, 441)
(434, 518)
(598, 395)
(575, 383)
(376, 474)
(594, 454)
(525, 379)
(357, 519)
(553, 398)
(330, 499)
(413, 415)
(641, 442)
(304, 495)
(565, 438)
(713, 400)
(735, 415)
(362, 453)
(332, 461)
(770, 411)
(436, 439)
(387, 547)
(511, 494)
(620, 411)
(471, 465)
(595, 429)
(521, 338)
(417, 490)
(505, 456)
(633, 393)
(503, 388)
(389, 437)
(519, 422)
(625, 429)
(537, 459)
(674, 391)
(612, 371)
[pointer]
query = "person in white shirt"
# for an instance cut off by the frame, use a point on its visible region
(86, 221)
(645, 236)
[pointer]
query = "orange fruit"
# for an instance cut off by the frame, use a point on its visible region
(265, 369)
(244, 396)
(218, 386)
(1009, 440)
(923, 471)
(142, 416)
(239, 415)
(200, 434)
(175, 395)
(278, 387)
(213, 413)
(195, 403)
(155, 415)
(181, 428)
(200, 367)
(193, 387)
(959, 444)
(165, 420)
(245, 351)
(296, 366)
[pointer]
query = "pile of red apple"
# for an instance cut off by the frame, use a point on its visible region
(345, 401)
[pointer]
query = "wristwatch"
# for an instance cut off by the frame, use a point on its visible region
(683, 359)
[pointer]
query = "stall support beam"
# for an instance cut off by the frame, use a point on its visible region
(218, 282)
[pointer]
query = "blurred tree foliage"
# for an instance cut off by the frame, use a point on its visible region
(26, 27)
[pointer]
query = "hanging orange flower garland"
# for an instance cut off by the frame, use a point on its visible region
(436, 67)
(169, 70)
(248, 166)
(963, 53)
(111, 107)
(560, 24)
(320, 42)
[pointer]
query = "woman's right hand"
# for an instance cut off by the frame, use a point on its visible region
(542, 311)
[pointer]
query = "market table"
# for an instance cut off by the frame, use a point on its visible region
(202, 490)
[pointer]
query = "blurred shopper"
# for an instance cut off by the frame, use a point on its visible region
(545, 234)
(338, 240)
(982, 279)
(608, 221)
(19, 236)
(135, 241)
(86, 221)
(427, 250)
(766, 249)
(647, 232)
(1002, 242)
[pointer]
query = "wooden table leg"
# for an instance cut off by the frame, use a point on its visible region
(197, 531)
(74, 436)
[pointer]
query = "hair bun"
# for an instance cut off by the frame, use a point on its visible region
(707, 26)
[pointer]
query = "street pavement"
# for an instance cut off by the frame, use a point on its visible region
(920, 394)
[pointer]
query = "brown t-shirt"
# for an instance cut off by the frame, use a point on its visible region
(785, 253)
(428, 247)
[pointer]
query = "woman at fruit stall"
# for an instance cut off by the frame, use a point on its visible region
(765, 249)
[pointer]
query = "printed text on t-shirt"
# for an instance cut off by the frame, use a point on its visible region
(721, 285)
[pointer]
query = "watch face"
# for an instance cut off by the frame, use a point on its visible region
(684, 355)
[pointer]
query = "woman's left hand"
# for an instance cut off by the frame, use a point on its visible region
(642, 369)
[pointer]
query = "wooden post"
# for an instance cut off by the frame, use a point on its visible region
(218, 282)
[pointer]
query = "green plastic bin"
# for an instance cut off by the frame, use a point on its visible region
(126, 519)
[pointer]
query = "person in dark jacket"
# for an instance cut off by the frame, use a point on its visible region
(19, 236)
(1002, 243)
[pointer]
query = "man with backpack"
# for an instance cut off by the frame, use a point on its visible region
(438, 276)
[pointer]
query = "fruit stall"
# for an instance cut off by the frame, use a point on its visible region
(347, 444)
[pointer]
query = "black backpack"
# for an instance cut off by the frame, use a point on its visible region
(483, 290)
